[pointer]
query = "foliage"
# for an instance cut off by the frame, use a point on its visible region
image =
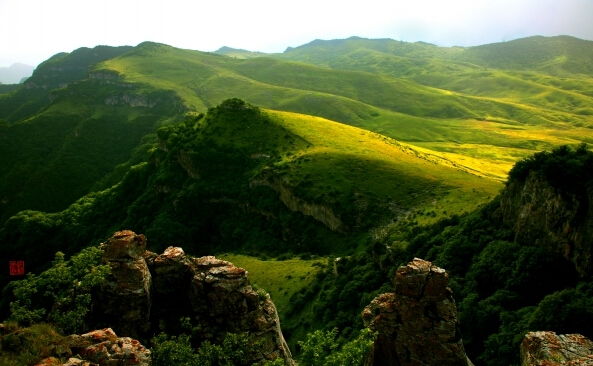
(566, 169)
(61, 294)
(323, 349)
(178, 350)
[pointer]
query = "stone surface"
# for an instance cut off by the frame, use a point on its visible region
(549, 349)
(50, 361)
(124, 300)
(149, 293)
(109, 350)
(102, 348)
(542, 216)
(417, 325)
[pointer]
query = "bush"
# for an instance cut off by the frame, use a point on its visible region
(63, 292)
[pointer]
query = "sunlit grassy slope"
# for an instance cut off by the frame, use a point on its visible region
(352, 170)
(448, 100)
(281, 279)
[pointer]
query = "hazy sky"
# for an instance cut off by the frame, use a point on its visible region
(33, 30)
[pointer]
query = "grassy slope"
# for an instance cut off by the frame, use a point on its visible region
(422, 94)
(546, 81)
(350, 159)
(281, 279)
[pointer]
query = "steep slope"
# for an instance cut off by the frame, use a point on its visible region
(58, 71)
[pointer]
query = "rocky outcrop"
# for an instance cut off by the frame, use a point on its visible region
(560, 222)
(320, 213)
(549, 349)
(417, 325)
(149, 293)
(133, 100)
(125, 298)
(103, 348)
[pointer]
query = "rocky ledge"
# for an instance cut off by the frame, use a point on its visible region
(148, 293)
(417, 325)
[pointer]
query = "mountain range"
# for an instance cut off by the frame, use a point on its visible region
(15, 73)
(321, 150)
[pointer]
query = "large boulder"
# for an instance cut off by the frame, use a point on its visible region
(124, 300)
(549, 349)
(417, 325)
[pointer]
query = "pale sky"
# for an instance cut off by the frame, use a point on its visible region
(33, 30)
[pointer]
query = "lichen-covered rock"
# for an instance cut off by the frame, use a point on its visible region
(549, 349)
(542, 216)
(50, 361)
(417, 325)
(109, 350)
(103, 348)
(223, 301)
(148, 293)
(124, 300)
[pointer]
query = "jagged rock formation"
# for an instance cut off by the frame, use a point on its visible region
(148, 293)
(560, 222)
(125, 298)
(549, 349)
(417, 325)
(103, 348)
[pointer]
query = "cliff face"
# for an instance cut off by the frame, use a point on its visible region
(148, 293)
(320, 213)
(540, 215)
(417, 325)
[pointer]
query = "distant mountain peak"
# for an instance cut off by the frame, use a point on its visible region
(15, 73)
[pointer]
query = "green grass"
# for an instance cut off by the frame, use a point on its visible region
(280, 278)
(421, 94)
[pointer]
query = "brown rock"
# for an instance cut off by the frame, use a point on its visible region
(50, 361)
(171, 272)
(223, 301)
(146, 289)
(549, 349)
(124, 245)
(75, 361)
(417, 325)
(124, 300)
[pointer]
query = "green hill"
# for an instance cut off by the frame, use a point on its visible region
(259, 182)
(81, 132)
(441, 100)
